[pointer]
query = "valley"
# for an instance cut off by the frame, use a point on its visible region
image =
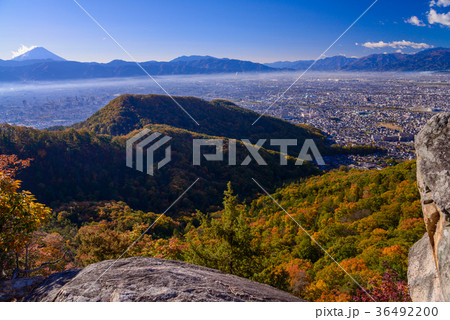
(347, 107)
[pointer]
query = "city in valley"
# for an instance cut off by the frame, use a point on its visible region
(381, 109)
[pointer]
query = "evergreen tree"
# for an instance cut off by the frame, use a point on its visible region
(226, 242)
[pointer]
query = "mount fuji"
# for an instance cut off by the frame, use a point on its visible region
(38, 53)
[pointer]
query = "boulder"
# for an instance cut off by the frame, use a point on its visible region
(423, 280)
(433, 180)
(50, 286)
(152, 279)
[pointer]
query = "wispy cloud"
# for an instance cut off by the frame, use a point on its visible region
(416, 21)
(22, 49)
(396, 45)
(440, 18)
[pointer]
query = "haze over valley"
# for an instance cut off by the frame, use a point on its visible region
(352, 108)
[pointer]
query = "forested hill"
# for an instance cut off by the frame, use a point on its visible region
(87, 162)
(216, 118)
(78, 165)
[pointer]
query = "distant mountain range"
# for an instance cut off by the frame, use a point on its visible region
(48, 69)
(41, 64)
(437, 59)
(327, 64)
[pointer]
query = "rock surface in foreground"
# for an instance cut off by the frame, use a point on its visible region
(433, 179)
(151, 279)
(423, 280)
(14, 290)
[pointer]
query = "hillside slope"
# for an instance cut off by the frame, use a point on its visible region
(216, 118)
(73, 165)
(366, 220)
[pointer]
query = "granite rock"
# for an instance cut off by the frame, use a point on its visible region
(152, 279)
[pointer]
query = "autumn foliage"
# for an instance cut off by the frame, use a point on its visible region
(366, 220)
(388, 288)
(20, 215)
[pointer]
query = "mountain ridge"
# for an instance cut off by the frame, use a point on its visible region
(437, 59)
(51, 70)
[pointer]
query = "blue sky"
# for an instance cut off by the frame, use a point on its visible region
(262, 31)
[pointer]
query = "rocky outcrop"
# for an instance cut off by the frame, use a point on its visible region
(49, 287)
(14, 290)
(151, 279)
(423, 280)
(433, 180)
